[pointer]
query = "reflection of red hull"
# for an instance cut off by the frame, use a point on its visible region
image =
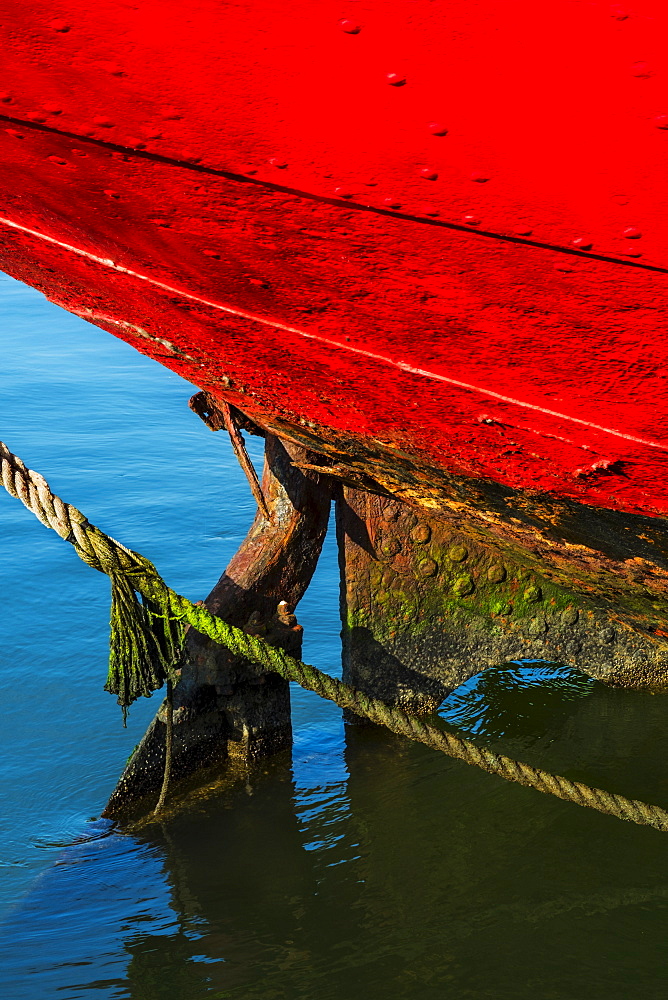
(243, 193)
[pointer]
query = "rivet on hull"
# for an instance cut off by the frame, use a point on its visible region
(641, 70)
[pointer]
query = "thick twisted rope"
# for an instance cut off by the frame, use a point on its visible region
(109, 556)
(145, 639)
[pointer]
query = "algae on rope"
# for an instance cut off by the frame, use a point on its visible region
(144, 644)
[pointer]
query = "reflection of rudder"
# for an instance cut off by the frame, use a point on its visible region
(242, 888)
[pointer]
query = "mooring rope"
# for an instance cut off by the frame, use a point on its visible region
(112, 558)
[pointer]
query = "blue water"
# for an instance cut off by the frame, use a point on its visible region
(365, 868)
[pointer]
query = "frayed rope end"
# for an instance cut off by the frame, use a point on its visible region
(144, 644)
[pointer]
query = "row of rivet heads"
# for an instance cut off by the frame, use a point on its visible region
(580, 243)
(470, 219)
(631, 234)
(639, 69)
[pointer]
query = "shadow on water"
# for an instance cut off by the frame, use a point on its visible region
(379, 869)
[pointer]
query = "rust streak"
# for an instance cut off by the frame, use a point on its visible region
(243, 459)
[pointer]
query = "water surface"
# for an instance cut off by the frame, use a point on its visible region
(365, 867)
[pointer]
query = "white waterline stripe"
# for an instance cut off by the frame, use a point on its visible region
(402, 365)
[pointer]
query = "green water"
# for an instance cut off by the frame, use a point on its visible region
(361, 867)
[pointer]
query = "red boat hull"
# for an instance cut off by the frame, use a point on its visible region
(428, 239)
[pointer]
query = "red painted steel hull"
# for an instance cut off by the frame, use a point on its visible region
(399, 268)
